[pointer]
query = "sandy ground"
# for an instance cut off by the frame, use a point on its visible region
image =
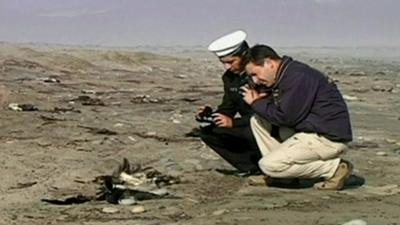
(148, 100)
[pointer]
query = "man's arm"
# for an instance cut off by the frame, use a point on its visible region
(297, 97)
(228, 106)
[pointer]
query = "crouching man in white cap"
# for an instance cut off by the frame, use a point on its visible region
(309, 103)
(228, 134)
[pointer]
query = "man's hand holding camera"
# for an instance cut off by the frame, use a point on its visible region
(222, 120)
(250, 94)
(206, 115)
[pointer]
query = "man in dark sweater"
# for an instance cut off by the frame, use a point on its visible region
(307, 102)
(229, 133)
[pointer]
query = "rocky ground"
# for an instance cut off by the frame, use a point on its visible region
(91, 107)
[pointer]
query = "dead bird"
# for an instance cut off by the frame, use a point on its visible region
(131, 181)
(135, 174)
(115, 193)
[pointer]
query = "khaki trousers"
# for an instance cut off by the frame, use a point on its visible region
(303, 155)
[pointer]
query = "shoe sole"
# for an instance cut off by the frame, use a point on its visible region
(347, 176)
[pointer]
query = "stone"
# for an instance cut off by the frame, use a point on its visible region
(350, 98)
(138, 209)
(110, 210)
(151, 133)
(118, 125)
(181, 76)
(132, 138)
(175, 121)
(219, 212)
(380, 153)
(355, 222)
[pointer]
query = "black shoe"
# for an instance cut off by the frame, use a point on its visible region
(239, 173)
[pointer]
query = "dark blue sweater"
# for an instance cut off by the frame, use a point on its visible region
(307, 101)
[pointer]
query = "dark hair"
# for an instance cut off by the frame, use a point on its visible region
(258, 53)
(242, 50)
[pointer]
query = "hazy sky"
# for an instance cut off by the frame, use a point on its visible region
(198, 22)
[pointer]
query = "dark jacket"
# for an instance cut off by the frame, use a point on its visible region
(307, 101)
(233, 102)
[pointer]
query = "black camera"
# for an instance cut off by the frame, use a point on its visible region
(260, 88)
(206, 115)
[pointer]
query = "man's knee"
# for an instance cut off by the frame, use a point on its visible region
(270, 165)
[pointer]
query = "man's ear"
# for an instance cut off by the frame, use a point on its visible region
(268, 63)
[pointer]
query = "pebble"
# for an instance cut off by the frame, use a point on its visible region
(110, 210)
(151, 133)
(132, 138)
(380, 153)
(355, 222)
(181, 76)
(174, 118)
(219, 212)
(350, 98)
(176, 121)
(138, 209)
(118, 125)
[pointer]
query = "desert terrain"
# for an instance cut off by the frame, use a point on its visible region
(90, 107)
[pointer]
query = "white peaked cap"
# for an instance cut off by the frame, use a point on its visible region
(227, 44)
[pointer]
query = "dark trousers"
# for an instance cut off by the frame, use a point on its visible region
(236, 145)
